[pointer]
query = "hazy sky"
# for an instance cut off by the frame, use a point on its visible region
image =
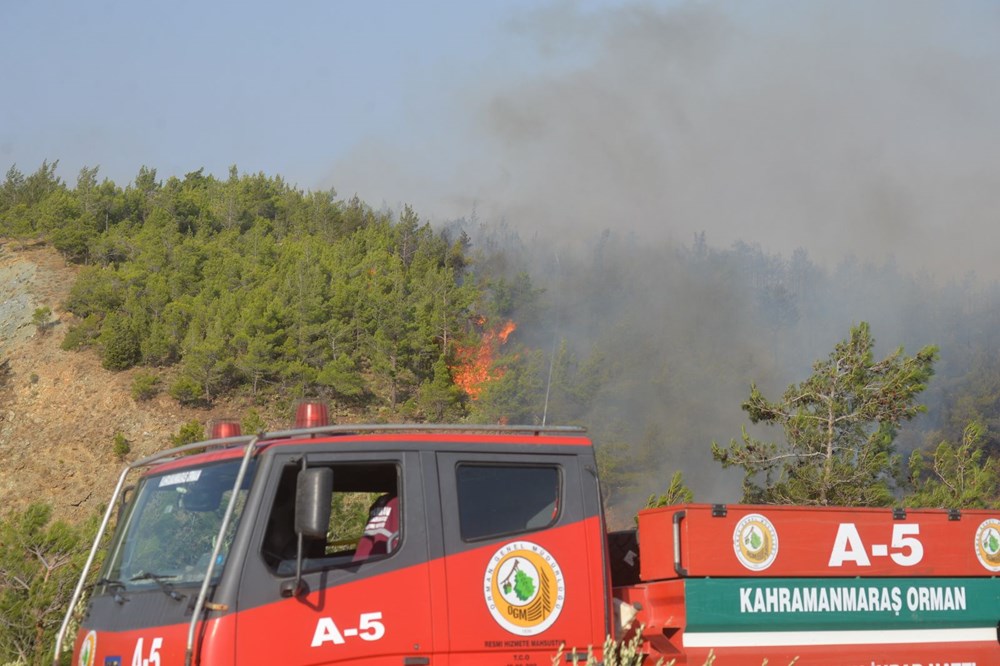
(866, 127)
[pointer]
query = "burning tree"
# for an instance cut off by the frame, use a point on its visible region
(475, 365)
(503, 385)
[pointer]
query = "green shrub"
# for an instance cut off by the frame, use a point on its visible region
(82, 334)
(190, 432)
(121, 446)
(40, 318)
(187, 391)
(253, 423)
(145, 385)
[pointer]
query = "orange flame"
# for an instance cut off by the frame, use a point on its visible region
(505, 332)
(473, 369)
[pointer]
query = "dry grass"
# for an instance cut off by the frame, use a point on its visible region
(628, 653)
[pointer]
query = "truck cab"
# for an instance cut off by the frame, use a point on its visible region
(376, 545)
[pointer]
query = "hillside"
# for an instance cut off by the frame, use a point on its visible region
(60, 410)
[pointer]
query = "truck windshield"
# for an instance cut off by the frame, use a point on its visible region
(167, 534)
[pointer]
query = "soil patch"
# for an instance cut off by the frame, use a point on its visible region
(59, 410)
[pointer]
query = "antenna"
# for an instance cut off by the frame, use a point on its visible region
(552, 355)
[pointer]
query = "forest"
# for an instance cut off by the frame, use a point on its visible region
(250, 287)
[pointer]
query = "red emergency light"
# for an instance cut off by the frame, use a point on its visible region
(310, 414)
(222, 428)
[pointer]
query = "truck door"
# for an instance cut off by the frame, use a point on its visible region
(367, 582)
(524, 557)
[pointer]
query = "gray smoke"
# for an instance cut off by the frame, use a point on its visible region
(864, 128)
(865, 135)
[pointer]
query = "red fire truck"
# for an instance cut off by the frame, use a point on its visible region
(433, 545)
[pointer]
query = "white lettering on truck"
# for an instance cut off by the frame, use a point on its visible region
(154, 653)
(852, 599)
(849, 547)
(370, 628)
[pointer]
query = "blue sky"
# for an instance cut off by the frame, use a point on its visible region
(839, 126)
(284, 87)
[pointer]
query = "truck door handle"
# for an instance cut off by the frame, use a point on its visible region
(678, 517)
(416, 661)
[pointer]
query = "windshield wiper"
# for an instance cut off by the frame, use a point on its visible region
(110, 582)
(167, 588)
(116, 585)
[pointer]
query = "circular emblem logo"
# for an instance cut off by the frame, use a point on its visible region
(755, 542)
(524, 588)
(988, 544)
(88, 649)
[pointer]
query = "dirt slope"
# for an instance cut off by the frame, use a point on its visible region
(59, 411)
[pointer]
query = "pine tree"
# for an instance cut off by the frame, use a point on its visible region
(121, 343)
(961, 476)
(40, 561)
(839, 428)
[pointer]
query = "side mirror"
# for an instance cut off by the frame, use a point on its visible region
(123, 501)
(313, 492)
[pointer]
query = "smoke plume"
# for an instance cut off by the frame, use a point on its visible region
(857, 139)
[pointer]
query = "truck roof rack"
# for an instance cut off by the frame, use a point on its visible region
(355, 429)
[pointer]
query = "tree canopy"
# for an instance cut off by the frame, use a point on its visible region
(250, 285)
(245, 286)
(40, 562)
(839, 427)
(957, 475)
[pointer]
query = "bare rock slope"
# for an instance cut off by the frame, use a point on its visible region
(59, 410)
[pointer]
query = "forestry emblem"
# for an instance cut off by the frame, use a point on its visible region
(755, 542)
(524, 588)
(988, 544)
(88, 650)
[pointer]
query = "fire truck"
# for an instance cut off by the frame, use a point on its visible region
(429, 545)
